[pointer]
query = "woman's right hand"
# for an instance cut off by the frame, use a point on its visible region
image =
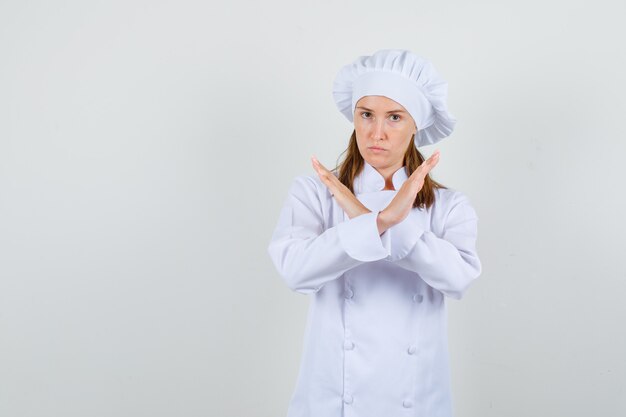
(402, 203)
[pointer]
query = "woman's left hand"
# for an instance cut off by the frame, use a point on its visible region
(348, 201)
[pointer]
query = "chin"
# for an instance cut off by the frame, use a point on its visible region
(375, 160)
(377, 157)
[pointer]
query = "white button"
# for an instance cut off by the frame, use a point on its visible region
(347, 398)
(348, 345)
(407, 403)
(348, 293)
(418, 298)
(412, 349)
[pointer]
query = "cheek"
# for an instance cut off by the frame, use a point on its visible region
(402, 142)
(360, 129)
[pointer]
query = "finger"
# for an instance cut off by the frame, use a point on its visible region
(430, 162)
(314, 163)
(434, 157)
(425, 167)
(334, 185)
(319, 164)
(325, 175)
(323, 170)
(429, 165)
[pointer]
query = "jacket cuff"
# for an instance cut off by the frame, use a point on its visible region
(360, 239)
(404, 237)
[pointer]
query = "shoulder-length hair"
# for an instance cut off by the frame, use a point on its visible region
(353, 164)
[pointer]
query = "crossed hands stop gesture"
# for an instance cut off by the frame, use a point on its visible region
(398, 208)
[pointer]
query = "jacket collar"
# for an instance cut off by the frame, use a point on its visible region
(369, 180)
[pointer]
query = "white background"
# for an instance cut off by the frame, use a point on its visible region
(146, 148)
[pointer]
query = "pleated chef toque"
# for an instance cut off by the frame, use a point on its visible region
(408, 79)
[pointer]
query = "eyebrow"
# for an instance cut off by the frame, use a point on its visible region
(390, 111)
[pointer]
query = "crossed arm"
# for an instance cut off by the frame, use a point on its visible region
(307, 256)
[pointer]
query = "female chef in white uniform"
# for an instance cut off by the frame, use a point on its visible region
(378, 246)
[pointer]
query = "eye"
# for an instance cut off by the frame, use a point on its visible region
(395, 115)
(364, 112)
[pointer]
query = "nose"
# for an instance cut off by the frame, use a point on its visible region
(379, 129)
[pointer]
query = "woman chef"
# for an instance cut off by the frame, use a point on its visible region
(378, 245)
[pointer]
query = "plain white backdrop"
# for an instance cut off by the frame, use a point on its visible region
(146, 148)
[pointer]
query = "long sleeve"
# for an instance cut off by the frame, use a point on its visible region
(448, 263)
(307, 256)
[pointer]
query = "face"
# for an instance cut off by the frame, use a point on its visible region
(383, 131)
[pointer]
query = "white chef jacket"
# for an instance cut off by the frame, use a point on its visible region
(375, 342)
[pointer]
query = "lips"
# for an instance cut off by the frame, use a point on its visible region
(376, 147)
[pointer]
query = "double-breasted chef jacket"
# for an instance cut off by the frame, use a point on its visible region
(375, 341)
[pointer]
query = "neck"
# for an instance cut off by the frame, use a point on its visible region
(387, 173)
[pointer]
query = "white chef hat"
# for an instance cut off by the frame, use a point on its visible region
(408, 79)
